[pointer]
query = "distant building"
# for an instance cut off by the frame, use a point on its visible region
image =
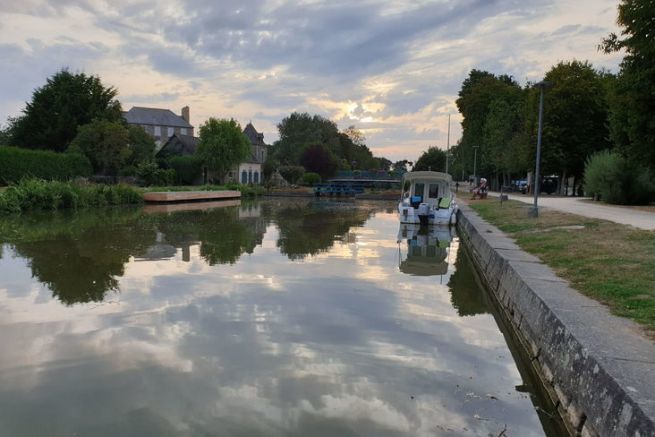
(250, 171)
(160, 123)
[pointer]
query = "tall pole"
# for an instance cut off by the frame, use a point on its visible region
(535, 207)
(448, 145)
(475, 165)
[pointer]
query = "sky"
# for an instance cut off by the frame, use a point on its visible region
(391, 68)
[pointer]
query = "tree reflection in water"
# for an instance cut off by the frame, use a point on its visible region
(466, 295)
(81, 255)
(310, 228)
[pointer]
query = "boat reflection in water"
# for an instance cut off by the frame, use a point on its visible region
(427, 249)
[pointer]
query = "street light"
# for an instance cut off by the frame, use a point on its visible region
(534, 212)
(475, 165)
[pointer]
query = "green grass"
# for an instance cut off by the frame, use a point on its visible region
(37, 194)
(612, 263)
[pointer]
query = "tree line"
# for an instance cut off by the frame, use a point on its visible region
(586, 110)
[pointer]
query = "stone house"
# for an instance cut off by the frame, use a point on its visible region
(250, 171)
(161, 124)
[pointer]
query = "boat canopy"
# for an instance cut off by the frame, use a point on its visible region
(427, 176)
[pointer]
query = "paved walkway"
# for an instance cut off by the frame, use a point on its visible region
(576, 205)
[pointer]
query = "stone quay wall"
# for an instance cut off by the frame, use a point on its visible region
(598, 368)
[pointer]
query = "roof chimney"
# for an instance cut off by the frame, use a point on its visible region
(186, 115)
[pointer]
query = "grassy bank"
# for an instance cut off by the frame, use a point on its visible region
(612, 263)
(35, 194)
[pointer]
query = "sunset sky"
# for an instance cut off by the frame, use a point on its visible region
(391, 68)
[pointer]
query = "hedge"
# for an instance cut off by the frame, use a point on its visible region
(16, 164)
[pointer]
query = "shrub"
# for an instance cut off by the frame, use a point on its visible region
(311, 179)
(17, 164)
(31, 194)
(292, 173)
(187, 169)
(613, 179)
(153, 175)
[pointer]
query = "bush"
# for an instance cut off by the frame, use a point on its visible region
(613, 179)
(187, 169)
(32, 194)
(292, 173)
(17, 164)
(153, 175)
(311, 179)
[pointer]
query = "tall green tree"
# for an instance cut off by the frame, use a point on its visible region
(632, 101)
(105, 143)
(575, 118)
(433, 159)
(222, 145)
(67, 100)
(141, 144)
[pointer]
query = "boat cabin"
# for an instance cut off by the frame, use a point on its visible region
(432, 188)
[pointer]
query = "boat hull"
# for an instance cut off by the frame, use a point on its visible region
(427, 216)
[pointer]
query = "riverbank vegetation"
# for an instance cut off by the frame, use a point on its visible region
(586, 110)
(37, 194)
(609, 262)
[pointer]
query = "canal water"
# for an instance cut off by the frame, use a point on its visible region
(272, 318)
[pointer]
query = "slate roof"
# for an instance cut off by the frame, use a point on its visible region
(255, 137)
(155, 116)
(179, 145)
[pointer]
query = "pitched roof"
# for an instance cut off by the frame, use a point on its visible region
(256, 138)
(155, 116)
(179, 145)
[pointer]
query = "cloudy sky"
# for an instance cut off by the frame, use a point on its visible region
(392, 68)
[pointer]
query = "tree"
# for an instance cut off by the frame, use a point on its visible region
(222, 145)
(402, 166)
(51, 119)
(632, 101)
(575, 118)
(301, 130)
(141, 144)
(105, 143)
(433, 159)
(319, 160)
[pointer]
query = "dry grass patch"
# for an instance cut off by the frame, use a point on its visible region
(612, 263)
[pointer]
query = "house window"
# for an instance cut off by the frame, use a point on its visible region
(171, 131)
(255, 177)
(158, 131)
(434, 191)
(250, 176)
(183, 131)
(244, 177)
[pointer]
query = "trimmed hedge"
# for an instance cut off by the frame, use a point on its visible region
(17, 164)
(36, 194)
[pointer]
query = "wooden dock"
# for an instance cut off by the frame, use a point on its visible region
(189, 196)
(167, 208)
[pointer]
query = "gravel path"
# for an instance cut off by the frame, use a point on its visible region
(580, 206)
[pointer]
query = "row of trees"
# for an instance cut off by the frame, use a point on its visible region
(316, 144)
(76, 113)
(587, 110)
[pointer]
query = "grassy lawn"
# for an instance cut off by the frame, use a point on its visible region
(612, 263)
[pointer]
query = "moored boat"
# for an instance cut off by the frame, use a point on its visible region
(427, 199)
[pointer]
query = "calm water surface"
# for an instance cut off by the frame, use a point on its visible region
(284, 317)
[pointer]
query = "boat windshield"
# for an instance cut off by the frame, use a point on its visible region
(419, 189)
(434, 191)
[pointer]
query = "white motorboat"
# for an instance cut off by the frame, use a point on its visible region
(427, 249)
(427, 199)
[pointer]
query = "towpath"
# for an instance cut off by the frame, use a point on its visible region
(639, 218)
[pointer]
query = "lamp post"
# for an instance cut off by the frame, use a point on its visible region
(475, 165)
(534, 211)
(448, 144)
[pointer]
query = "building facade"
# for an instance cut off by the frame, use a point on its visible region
(161, 124)
(250, 171)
